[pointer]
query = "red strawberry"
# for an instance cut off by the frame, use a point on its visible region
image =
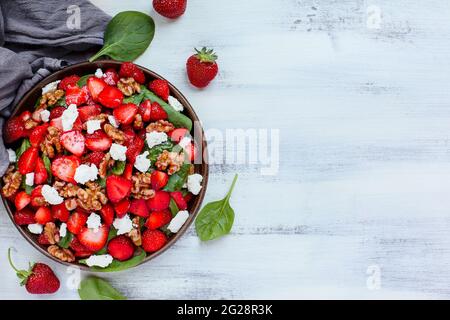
(37, 135)
(178, 134)
(43, 239)
(80, 250)
(75, 95)
(40, 172)
(77, 125)
(56, 112)
(128, 172)
(87, 112)
(158, 112)
(60, 212)
(202, 67)
(153, 240)
(111, 77)
(73, 141)
(37, 199)
(57, 123)
(27, 161)
(43, 215)
(134, 149)
(122, 207)
(111, 97)
(177, 196)
(145, 109)
(159, 179)
(64, 167)
(117, 188)
(171, 9)
(94, 157)
(158, 219)
(160, 88)
(93, 240)
(130, 70)
(188, 197)
(159, 202)
(22, 200)
(191, 152)
(95, 86)
(24, 217)
(24, 116)
(98, 141)
(107, 213)
(39, 279)
(76, 221)
(121, 248)
(139, 208)
(125, 113)
(69, 81)
(14, 130)
(129, 133)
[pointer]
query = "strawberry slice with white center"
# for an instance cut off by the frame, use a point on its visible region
(95, 87)
(125, 113)
(64, 168)
(76, 95)
(87, 112)
(73, 141)
(27, 161)
(117, 188)
(40, 172)
(110, 97)
(22, 200)
(93, 240)
(98, 141)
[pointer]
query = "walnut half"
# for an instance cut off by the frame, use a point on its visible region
(61, 253)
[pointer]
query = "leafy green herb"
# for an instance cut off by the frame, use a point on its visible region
(127, 36)
(136, 98)
(26, 187)
(38, 102)
(93, 288)
(101, 182)
(83, 80)
(157, 150)
(116, 265)
(65, 241)
(119, 168)
(177, 180)
(173, 207)
(216, 218)
(23, 147)
(48, 166)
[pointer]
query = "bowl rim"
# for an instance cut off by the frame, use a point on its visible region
(203, 168)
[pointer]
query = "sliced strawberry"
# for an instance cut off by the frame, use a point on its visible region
(159, 179)
(76, 95)
(14, 130)
(80, 251)
(56, 112)
(139, 208)
(130, 70)
(160, 88)
(37, 135)
(60, 212)
(188, 197)
(177, 196)
(153, 240)
(64, 167)
(24, 216)
(77, 125)
(125, 113)
(129, 133)
(110, 97)
(107, 213)
(69, 81)
(95, 86)
(37, 200)
(94, 157)
(43, 215)
(89, 100)
(27, 161)
(159, 202)
(128, 172)
(117, 188)
(98, 141)
(134, 149)
(122, 207)
(76, 221)
(57, 123)
(40, 172)
(121, 248)
(111, 77)
(178, 134)
(24, 116)
(93, 240)
(22, 200)
(157, 113)
(73, 141)
(43, 239)
(87, 112)
(145, 109)
(191, 152)
(158, 219)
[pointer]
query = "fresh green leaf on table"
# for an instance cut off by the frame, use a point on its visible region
(93, 288)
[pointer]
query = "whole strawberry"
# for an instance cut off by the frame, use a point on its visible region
(202, 67)
(38, 279)
(171, 9)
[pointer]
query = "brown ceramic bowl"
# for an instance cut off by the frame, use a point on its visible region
(28, 102)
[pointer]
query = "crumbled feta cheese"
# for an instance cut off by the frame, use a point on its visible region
(155, 138)
(45, 115)
(99, 73)
(118, 152)
(113, 121)
(69, 116)
(185, 142)
(178, 221)
(51, 195)
(93, 125)
(102, 260)
(94, 221)
(29, 179)
(123, 225)
(35, 228)
(194, 183)
(142, 163)
(175, 104)
(85, 173)
(11, 155)
(51, 87)
(63, 230)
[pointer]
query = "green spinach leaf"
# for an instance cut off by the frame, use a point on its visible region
(23, 147)
(178, 179)
(101, 182)
(26, 187)
(48, 167)
(117, 265)
(119, 168)
(173, 207)
(157, 150)
(136, 98)
(65, 241)
(93, 288)
(83, 80)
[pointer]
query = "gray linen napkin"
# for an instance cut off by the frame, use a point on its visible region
(38, 37)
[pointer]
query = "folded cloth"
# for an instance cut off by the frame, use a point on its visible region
(38, 37)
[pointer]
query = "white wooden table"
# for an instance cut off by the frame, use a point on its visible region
(360, 207)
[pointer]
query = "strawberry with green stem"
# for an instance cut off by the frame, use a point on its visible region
(202, 67)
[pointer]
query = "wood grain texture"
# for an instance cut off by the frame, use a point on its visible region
(364, 173)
